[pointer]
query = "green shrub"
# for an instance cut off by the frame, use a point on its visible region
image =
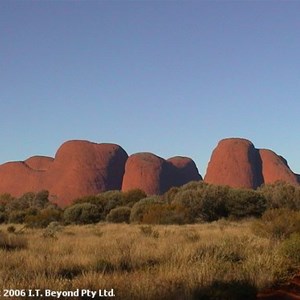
(213, 206)
(52, 229)
(141, 207)
(243, 203)
(277, 223)
(132, 196)
(43, 218)
(6, 198)
(87, 199)
(41, 200)
(82, 213)
(17, 217)
(28, 200)
(119, 215)
(281, 195)
(192, 201)
(169, 196)
(207, 203)
(3, 217)
(194, 185)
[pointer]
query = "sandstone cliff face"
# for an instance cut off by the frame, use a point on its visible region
(83, 168)
(80, 168)
(155, 175)
(39, 163)
(275, 168)
(235, 162)
(147, 172)
(17, 178)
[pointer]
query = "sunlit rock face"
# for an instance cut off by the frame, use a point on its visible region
(275, 167)
(237, 163)
(79, 168)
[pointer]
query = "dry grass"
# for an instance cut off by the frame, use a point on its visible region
(143, 262)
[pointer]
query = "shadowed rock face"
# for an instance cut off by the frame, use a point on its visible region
(80, 168)
(184, 170)
(154, 175)
(275, 167)
(235, 162)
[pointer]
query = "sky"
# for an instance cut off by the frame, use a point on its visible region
(168, 77)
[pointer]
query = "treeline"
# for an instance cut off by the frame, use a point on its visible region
(192, 203)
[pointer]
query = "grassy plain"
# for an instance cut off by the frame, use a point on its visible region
(144, 262)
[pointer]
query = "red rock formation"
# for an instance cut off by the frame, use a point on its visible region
(154, 175)
(40, 163)
(235, 162)
(83, 168)
(147, 172)
(275, 168)
(185, 170)
(80, 168)
(18, 178)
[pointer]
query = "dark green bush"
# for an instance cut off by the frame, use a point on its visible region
(41, 199)
(192, 201)
(27, 201)
(207, 203)
(5, 199)
(105, 201)
(132, 196)
(82, 213)
(169, 196)
(43, 218)
(194, 185)
(87, 199)
(243, 203)
(3, 217)
(141, 207)
(213, 206)
(119, 214)
(17, 217)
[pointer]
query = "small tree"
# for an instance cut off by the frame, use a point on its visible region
(82, 213)
(132, 196)
(243, 203)
(119, 214)
(140, 208)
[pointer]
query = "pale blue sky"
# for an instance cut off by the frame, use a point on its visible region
(168, 77)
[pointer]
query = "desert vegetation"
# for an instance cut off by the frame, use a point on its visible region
(218, 260)
(199, 241)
